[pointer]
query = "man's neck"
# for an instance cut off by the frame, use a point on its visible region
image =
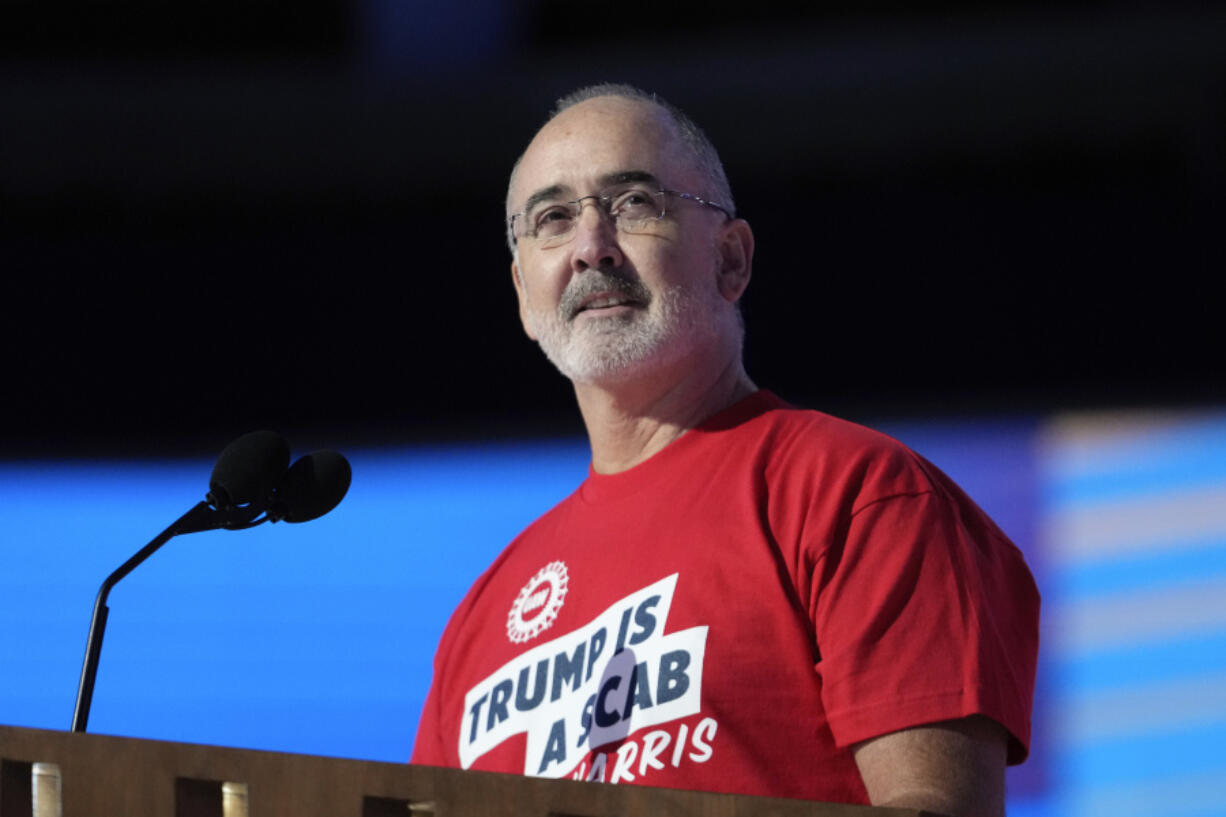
(627, 423)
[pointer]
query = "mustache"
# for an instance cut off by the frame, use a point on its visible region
(594, 282)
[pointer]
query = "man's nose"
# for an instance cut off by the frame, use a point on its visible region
(596, 237)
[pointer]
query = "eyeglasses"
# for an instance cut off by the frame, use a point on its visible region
(633, 210)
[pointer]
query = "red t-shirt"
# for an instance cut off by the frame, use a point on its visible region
(734, 614)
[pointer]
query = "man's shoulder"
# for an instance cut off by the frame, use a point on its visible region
(796, 431)
(803, 453)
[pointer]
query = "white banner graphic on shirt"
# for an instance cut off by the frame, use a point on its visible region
(599, 683)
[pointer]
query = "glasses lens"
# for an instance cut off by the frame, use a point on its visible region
(549, 220)
(636, 208)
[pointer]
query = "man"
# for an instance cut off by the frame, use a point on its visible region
(742, 596)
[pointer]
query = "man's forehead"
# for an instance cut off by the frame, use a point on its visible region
(593, 142)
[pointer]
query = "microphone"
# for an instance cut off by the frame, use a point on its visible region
(248, 479)
(313, 486)
(248, 469)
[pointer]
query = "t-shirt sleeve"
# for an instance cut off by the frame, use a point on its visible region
(437, 730)
(428, 747)
(924, 611)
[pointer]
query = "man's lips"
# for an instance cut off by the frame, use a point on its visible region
(605, 300)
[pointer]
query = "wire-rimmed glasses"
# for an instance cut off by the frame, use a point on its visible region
(634, 209)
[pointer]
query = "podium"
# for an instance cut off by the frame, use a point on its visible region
(104, 776)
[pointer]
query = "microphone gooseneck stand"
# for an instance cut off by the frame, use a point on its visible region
(201, 517)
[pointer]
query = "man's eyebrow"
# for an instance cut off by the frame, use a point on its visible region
(544, 194)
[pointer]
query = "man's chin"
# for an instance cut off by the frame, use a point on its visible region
(606, 364)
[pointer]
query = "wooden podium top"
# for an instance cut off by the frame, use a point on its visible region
(104, 776)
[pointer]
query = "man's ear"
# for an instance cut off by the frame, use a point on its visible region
(736, 259)
(522, 296)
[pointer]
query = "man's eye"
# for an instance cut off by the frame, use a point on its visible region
(551, 218)
(635, 203)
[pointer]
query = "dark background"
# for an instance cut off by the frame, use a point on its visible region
(223, 215)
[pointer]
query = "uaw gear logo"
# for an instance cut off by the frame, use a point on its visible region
(600, 683)
(537, 605)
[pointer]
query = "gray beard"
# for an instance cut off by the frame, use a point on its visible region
(660, 332)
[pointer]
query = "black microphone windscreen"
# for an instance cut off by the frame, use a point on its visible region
(249, 469)
(314, 485)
